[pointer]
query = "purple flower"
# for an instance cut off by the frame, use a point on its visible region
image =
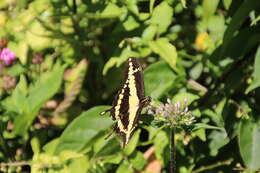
(7, 56)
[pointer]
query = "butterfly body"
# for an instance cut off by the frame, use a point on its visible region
(129, 101)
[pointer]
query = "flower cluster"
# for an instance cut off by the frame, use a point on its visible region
(175, 115)
(7, 56)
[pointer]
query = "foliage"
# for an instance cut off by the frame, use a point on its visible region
(70, 57)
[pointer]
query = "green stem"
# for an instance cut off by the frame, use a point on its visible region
(208, 167)
(172, 151)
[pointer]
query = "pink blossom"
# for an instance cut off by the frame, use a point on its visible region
(7, 56)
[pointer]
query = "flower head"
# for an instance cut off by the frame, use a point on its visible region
(7, 56)
(175, 114)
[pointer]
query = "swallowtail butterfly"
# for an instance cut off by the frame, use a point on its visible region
(129, 101)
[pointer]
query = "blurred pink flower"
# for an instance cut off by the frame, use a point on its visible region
(7, 56)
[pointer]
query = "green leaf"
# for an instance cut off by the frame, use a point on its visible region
(15, 70)
(162, 17)
(151, 4)
(130, 24)
(115, 158)
(112, 10)
(166, 50)
(130, 147)
(218, 140)
(249, 139)
(256, 81)
(45, 87)
(196, 71)
(125, 168)
(20, 49)
(117, 61)
(104, 147)
(183, 3)
(206, 126)
(182, 95)
(209, 8)
(81, 164)
(158, 79)
(36, 37)
(227, 3)
(17, 102)
(50, 147)
(161, 144)
(237, 20)
(83, 129)
(149, 33)
(138, 161)
(132, 6)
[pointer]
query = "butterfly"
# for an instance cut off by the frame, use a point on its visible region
(129, 101)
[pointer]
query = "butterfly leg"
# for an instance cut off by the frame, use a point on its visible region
(146, 101)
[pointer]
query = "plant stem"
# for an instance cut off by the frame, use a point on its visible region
(218, 164)
(172, 151)
(22, 163)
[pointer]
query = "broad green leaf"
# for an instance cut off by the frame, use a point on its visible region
(17, 102)
(162, 16)
(166, 50)
(105, 147)
(209, 8)
(216, 118)
(256, 81)
(182, 95)
(201, 133)
(130, 24)
(125, 168)
(111, 62)
(15, 70)
(112, 10)
(196, 71)
(132, 6)
(151, 4)
(131, 146)
(81, 164)
(227, 3)
(83, 129)
(50, 147)
(158, 79)
(183, 3)
(138, 161)
(20, 49)
(36, 37)
(249, 139)
(149, 33)
(45, 87)
(115, 158)
(161, 144)
(237, 20)
(218, 140)
(117, 61)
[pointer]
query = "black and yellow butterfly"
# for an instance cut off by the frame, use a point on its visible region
(129, 101)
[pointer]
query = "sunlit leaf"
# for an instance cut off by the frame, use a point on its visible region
(166, 50)
(46, 86)
(162, 17)
(158, 79)
(83, 129)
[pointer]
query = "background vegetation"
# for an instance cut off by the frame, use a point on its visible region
(69, 62)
